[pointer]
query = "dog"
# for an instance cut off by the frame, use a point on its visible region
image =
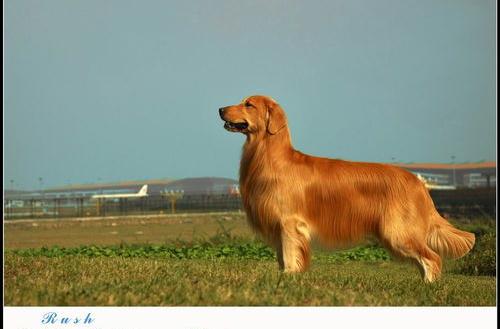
(290, 197)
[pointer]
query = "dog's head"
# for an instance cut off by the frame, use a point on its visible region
(254, 115)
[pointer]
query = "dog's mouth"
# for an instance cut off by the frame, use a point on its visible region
(236, 126)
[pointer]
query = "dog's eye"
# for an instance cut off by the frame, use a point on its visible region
(247, 104)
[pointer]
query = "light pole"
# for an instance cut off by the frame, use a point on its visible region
(454, 173)
(173, 196)
(40, 180)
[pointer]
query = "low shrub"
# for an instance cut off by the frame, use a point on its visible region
(481, 260)
(208, 250)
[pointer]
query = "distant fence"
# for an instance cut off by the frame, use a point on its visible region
(453, 203)
(88, 207)
(477, 202)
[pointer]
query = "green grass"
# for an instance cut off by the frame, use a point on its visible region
(215, 260)
(82, 280)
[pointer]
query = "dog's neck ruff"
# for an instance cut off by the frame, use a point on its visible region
(266, 150)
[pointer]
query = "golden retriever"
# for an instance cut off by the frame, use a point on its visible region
(290, 197)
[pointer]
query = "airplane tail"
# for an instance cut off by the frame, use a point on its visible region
(143, 190)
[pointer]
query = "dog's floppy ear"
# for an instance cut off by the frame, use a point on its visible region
(276, 119)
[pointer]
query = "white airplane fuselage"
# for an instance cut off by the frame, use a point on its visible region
(142, 193)
(117, 196)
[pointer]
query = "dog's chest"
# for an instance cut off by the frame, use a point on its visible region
(261, 197)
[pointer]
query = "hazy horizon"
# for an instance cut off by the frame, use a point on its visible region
(124, 90)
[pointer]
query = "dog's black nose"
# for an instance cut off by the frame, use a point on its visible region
(221, 111)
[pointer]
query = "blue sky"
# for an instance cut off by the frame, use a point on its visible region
(111, 90)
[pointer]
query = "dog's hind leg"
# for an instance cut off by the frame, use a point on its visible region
(295, 245)
(428, 261)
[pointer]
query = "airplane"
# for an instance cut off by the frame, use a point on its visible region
(142, 193)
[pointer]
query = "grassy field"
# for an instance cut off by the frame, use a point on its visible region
(214, 259)
(109, 231)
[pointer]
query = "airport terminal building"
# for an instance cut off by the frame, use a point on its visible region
(461, 175)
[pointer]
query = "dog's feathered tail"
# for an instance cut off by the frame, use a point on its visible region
(447, 240)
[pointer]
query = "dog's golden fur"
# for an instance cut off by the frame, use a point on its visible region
(290, 196)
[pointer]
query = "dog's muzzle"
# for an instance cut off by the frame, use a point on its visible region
(232, 126)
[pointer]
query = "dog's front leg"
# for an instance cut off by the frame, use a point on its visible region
(295, 249)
